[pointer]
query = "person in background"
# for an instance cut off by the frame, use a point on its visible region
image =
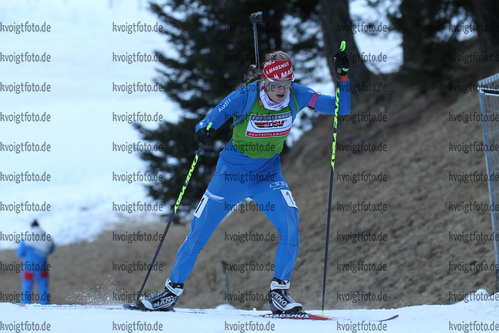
(34, 250)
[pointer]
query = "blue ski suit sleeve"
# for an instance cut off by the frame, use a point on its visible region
(231, 105)
(324, 103)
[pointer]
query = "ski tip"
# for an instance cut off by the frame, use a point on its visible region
(391, 318)
(134, 306)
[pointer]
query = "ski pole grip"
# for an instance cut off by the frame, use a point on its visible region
(256, 17)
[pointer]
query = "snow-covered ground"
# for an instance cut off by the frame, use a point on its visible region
(81, 104)
(476, 314)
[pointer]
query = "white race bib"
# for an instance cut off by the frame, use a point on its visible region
(271, 125)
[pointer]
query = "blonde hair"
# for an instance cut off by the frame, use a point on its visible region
(277, 55)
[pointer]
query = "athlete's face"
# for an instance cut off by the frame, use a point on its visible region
(276, 89)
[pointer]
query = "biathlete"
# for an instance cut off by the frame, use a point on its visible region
(263, 111)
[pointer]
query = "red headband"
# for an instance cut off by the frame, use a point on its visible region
(278, 69)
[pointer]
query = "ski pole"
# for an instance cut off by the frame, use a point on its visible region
(256, 18)
(177, 203)
(226, 282)
(333, 158)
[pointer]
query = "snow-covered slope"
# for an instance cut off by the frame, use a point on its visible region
(81, 104)
(476, 314)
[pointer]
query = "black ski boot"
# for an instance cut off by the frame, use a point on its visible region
(279, 299)
(164, 300)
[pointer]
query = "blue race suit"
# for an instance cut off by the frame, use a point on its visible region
(239, 176)
(35, 267)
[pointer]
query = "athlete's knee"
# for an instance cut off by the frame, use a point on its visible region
(294, 238)
(289, 234)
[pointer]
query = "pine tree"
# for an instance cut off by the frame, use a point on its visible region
(426, 41)
(485, 14)
(430, 36)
